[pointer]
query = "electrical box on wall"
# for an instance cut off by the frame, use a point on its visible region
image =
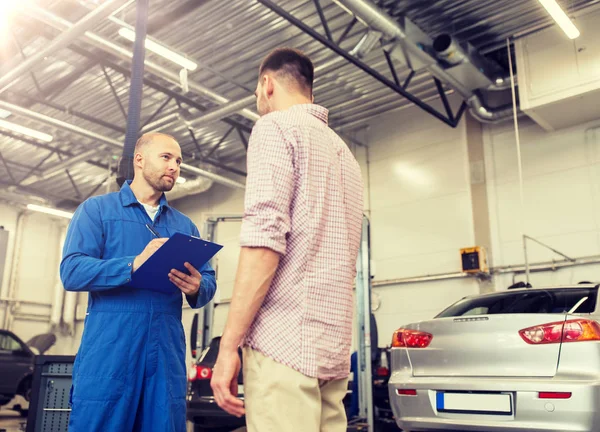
(473, 260)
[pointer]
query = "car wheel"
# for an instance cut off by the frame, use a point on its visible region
(26, 392)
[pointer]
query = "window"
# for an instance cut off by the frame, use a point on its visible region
(531, 301)
(10, 344)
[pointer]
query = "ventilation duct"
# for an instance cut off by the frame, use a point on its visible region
(190, 187)
(458, 65)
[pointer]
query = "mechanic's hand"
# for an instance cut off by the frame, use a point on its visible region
(224, 382)
(188, 284)
(148, 252)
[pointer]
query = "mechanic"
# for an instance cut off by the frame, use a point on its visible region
(129, 373)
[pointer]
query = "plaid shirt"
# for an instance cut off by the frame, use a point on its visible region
(304, 200)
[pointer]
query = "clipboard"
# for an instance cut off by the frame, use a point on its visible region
(180, 248)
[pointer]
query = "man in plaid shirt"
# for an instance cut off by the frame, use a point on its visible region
(292, 303)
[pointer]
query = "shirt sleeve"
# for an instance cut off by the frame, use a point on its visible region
(269, 188)
(208, 285)
(82, 267)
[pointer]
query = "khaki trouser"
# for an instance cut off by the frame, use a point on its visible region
(281, 399)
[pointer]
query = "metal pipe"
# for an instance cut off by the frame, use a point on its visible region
(105, 45)
(224, 111)
(161, 123)
(14, 267)
(25, 302)
(87, 22)
(379, 20)
(136, 92)
(16, 109)
(112, 142)
(518, 269)
(31, 317)
(60, 166)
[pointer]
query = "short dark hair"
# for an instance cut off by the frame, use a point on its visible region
(293, 64)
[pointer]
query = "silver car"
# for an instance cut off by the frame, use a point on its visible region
(518, 360)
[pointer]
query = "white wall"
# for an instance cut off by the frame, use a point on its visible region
(36, 268)
(217, 201)
(561, 184)
(420, 211)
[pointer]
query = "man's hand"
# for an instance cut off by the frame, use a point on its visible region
(188, 284)
(224, 382)
(148, 252)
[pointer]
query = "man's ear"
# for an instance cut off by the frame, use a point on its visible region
(269, 85)
(138, 160)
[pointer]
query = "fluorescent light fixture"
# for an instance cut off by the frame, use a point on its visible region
(4, 113)
(160, 50)
(50, 211)
(561, 18)
(181, 180)
(25, 131)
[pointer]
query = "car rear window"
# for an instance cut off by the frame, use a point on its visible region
(532, 301)
(209, 356)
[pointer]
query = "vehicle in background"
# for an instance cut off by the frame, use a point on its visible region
(523, 359)
(203, 413)
(202, 409)
(16, 366)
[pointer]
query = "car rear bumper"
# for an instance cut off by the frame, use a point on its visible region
(528, 413)
(205, 411)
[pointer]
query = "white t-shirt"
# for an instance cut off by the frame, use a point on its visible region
(150, 210)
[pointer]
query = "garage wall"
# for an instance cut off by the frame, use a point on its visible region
(36, 267)
(217, 201)
(561, 173)
(420, 209)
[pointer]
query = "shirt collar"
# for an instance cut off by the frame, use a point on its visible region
(128, 197)
(315, 110)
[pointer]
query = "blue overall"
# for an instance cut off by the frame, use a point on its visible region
(129, 373)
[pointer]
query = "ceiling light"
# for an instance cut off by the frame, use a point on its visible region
(50, 211)
(4, 113)
(161, 50)
(25, 131)
(561, 18)
(181, 180)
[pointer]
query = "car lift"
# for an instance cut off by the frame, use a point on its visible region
(365, 419)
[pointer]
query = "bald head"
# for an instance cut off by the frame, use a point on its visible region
(149, 138)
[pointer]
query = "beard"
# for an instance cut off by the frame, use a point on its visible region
(159, 183)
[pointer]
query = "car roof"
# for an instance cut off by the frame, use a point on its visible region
(540, 288)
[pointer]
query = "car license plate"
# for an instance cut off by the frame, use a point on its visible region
(474, 403)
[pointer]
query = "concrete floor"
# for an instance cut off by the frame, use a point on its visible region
(11, 421)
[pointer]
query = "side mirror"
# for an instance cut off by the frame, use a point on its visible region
(194, 336)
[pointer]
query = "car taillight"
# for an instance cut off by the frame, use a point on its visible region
(403, 392)
(411, 339)
(382, 372)
(578, 330)
(383, 369)
(198, 372)
(554, 395)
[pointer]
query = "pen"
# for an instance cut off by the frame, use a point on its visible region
(153, 231)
